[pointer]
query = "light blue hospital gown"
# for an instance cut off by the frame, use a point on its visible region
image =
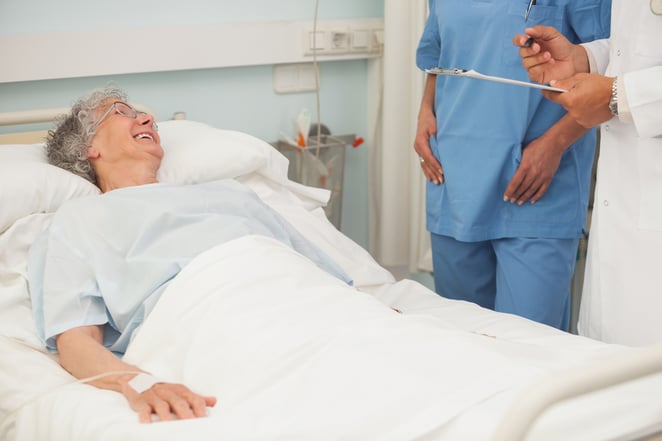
(105, 260)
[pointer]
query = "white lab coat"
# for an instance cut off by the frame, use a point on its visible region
(622, 295)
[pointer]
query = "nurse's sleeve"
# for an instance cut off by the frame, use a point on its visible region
(63, 290)
(429, 47)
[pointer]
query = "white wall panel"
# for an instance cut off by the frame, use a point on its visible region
(53, 55)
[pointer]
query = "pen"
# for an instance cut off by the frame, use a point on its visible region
(529, 41)
(532, 3)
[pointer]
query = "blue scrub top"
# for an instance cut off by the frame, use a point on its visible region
(483, 126)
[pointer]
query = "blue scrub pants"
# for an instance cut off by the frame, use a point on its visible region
(529, 277)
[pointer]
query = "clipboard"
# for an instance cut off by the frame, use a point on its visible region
(479, 76)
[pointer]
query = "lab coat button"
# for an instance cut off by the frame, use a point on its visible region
(618, 52)
(605, 203)
(606, 127)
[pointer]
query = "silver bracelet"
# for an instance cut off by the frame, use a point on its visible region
(613, 101)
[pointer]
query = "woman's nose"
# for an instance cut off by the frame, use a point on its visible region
(147, 119)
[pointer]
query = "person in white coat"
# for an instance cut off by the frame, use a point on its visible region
(616, 82)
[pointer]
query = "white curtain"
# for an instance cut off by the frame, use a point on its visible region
(398, 238)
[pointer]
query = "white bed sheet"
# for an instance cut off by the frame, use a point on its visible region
(38, 400)
(623, 412)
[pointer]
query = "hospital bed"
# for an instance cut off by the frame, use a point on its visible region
(303, 357)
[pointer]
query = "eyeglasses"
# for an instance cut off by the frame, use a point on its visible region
(124, 109)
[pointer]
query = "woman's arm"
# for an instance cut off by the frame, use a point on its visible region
(82, 354)
(427, 127)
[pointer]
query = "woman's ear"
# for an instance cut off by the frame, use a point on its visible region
(92, 153)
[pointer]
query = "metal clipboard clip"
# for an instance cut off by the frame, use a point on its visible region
(446, 71)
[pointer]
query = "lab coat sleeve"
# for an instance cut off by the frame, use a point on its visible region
(644, 96)
(599, 51)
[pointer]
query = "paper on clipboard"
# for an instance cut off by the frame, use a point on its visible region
(479, 76)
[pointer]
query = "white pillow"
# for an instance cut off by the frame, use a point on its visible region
(194, 153)
(28, 184)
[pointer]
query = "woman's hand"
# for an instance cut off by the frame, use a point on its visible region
(167, 401)
(427, 127)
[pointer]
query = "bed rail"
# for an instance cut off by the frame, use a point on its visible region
(36, 116)
(44, 115)
(534, 400)
(31, 116)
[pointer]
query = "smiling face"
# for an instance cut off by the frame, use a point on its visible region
(120, 134)
(124, 146)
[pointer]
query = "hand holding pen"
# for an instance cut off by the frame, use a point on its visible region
(552, 57)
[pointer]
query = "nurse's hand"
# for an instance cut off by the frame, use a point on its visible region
(551, 56)
(427, 127)
(587, 98)
(540, 160)
(167, 401)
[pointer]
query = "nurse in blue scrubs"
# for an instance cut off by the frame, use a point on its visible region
(508, 171)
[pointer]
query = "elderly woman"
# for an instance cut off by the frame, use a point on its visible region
(99, 269)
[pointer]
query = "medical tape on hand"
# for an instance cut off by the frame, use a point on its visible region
(142, 382)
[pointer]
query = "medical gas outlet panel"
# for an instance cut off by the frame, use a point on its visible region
(343, 40)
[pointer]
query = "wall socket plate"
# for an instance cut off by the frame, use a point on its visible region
(295, 78)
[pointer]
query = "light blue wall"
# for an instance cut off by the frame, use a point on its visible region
(29, 16)
(232, 98)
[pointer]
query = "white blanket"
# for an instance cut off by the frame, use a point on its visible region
(292, 353)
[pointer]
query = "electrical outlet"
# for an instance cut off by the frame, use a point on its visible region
(361, 40)
(294, 78)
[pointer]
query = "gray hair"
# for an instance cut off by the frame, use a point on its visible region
(66, 145)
